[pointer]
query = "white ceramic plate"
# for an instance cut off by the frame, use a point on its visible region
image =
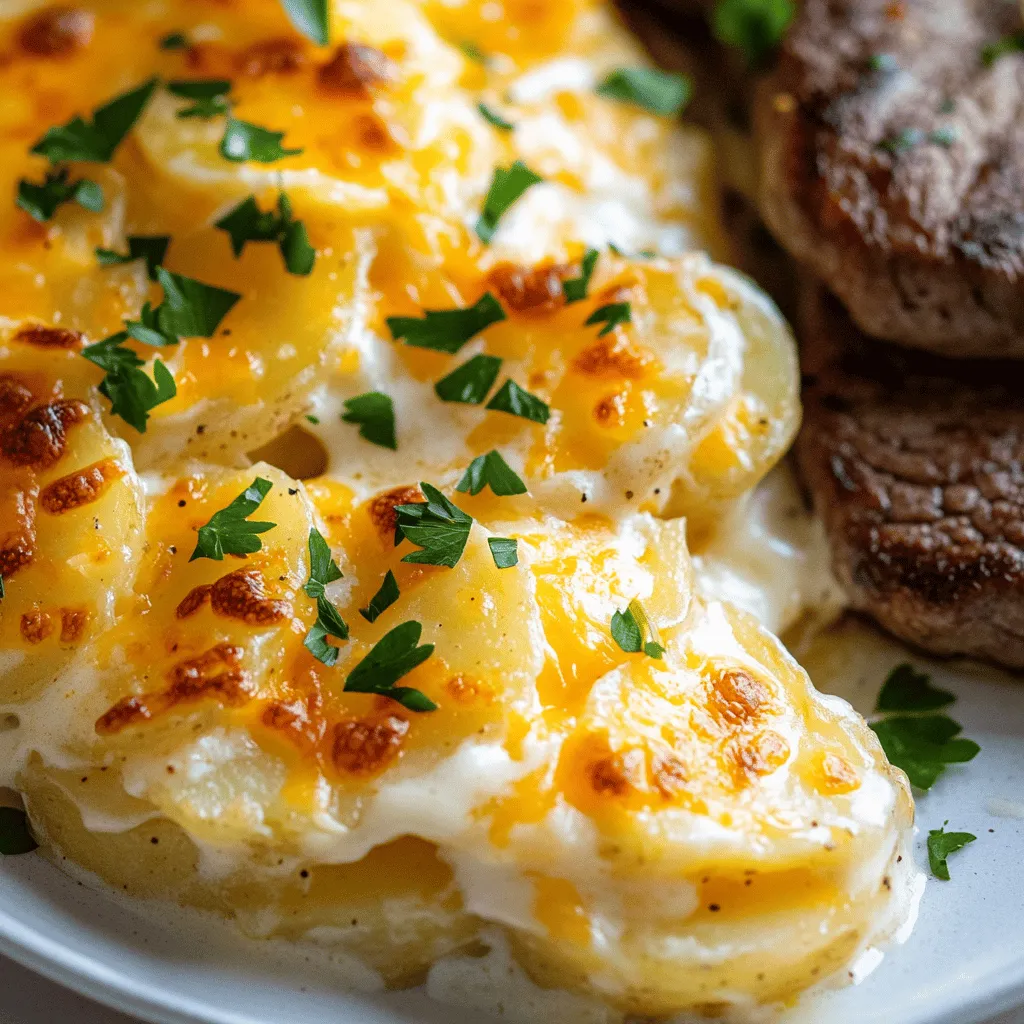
(963, 963)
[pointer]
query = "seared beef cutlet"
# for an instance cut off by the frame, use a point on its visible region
(916, 464)
(892, 166)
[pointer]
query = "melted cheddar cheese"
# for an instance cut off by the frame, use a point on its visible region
(686, 828)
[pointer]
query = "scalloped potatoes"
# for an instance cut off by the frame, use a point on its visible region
(467, 674)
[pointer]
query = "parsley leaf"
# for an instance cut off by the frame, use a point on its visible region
(132, 394)
(511, 398)
(40, 202)
(230, 531)
(394, 655)
(504, 551)
(151, 248)
(383, 599)
(174, 41)
(941, 844)
(447, 330)
(323, 570)
(507, 185)
(311, 18)
(575, 289)
(494, 118)
(97, 140)
(923, 745)
(190, 309)
(884, 62)
(248, 223)
(902, 141)
(15, 835)
(296, 250)
(491, 470)
(945, 136)
(375, 412)
(755, 26)
(660, 92)
(470, 382)
(245, 141)
(629, 629)
(439, 528)
(1008, 44)
(474, 53)
(210, 96)
(611, 316)
(906, 689)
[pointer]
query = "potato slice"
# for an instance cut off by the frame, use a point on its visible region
(71, 508)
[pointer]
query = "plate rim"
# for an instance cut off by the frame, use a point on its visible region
(90, 977)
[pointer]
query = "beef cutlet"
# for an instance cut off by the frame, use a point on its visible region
(892, 166)
(916, 464)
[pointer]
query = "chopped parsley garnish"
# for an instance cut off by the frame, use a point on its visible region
(40, 202)
(906, 689)
(229, 531)
(941, 844)
(439, 528)
(474, 53)
(507, 185)
(383, 599)
(311, 18)
(640, 254)
(883, 62)
(944, 136)
(15, 835)
(151, 248)
(394, 655)
(633, 631)
(470, 382)
(511, 398)
(494, 118)
(755, 26)
(2, 592)
(96, 140)
(323, 570)
(1008, 44)
(245, 141)
(131, 392)
(375, 414)
(209, 96)
(328, 623)
(315, 420)
(447, 330)
(660, 92)
(491, 470)
(924, 745)
(189, 309)
(905, 139)
(174, 41)
(575, 289)
(504, 551)
(611, 316)
(921, 744)
(248, 223)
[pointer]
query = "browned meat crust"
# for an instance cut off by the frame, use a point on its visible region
(892, 165)
(916, 464)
